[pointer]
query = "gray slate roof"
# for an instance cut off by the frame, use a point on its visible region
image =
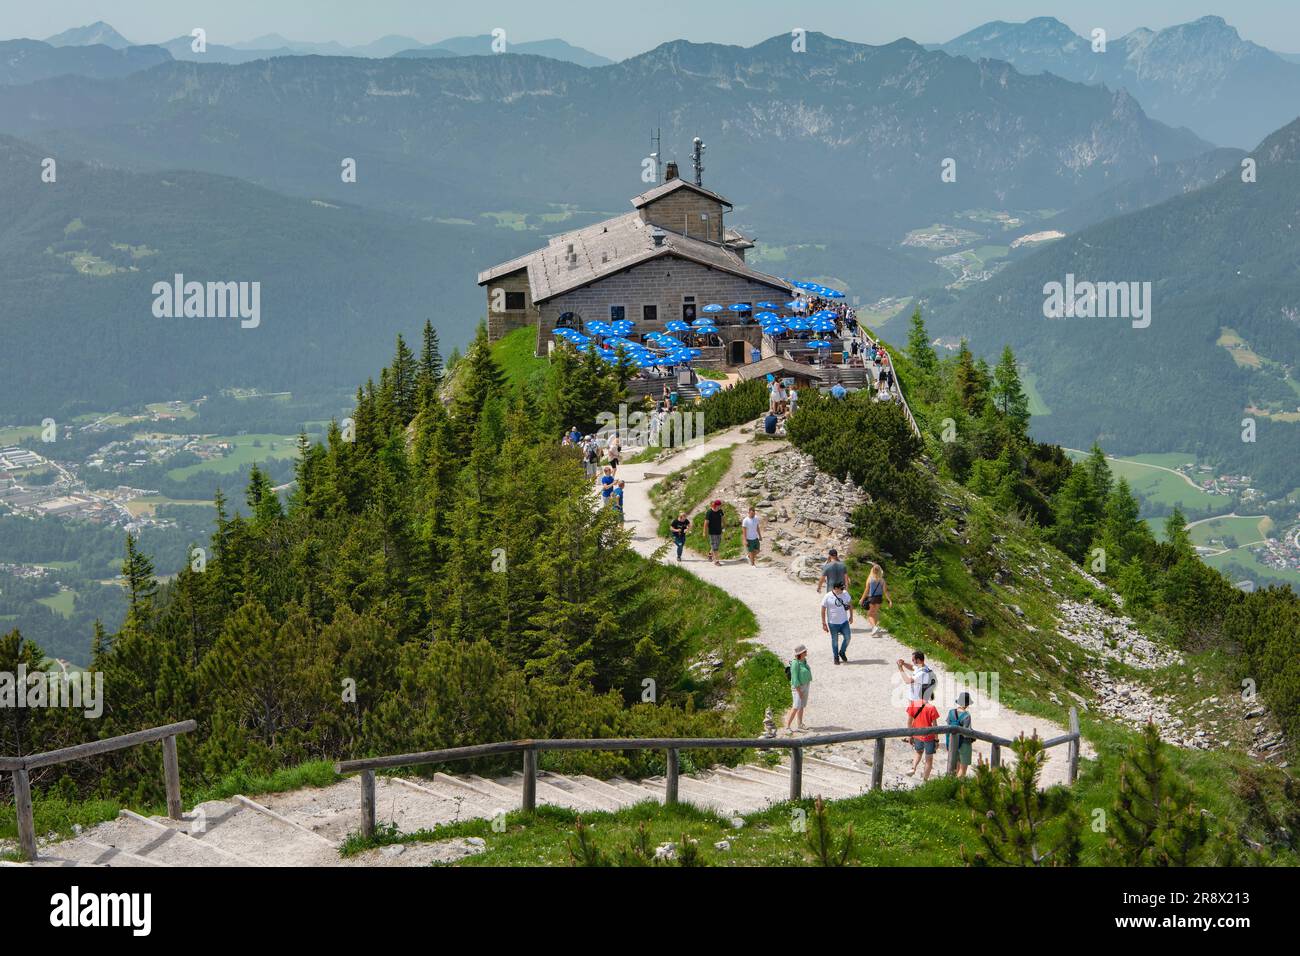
(663, 189)
(611, 246)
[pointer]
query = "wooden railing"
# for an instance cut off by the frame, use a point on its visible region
(19, 767)
(529, 750)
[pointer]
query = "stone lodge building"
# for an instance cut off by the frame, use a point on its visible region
(664, 260)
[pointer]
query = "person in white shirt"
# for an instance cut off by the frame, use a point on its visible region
(837, 617)
(753, 536)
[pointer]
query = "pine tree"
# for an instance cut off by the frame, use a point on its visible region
(1017, 824)
(919, 350)
(1122, 533)
(1176, 533)
(405, 383)
(1009, 396)
(478, 379)
(966, 385)
(1153, 821)
(141, 585)
(429, 376)
(1075, 508)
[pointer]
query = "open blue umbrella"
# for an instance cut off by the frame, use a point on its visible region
(797, 304)
(824, 314)
(705, 329)
(833, 294)
(774, 328)
(712, 307)
(819, 344)
(570, 335)
(810, 286)
(677, 325)
(767, 317)
(797, 323)
(740, 307)
(709, 387)
(766, 305)
(821, 325)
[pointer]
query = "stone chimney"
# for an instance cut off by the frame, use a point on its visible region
(670, 172)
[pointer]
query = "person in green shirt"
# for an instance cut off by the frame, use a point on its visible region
(800, 678)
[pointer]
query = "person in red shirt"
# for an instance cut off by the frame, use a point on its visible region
(922, 713)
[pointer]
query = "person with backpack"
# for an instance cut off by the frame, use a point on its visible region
(833, 570)
(837, 620)
(875, 592)
(922, 713)
(680, 527)
(959, 716)
(800, 675)
(919, 676)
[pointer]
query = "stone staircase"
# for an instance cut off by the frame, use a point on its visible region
(306, 827)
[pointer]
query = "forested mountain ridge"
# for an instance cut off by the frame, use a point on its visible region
(870, 125)
(1219, 257)
(79, 258)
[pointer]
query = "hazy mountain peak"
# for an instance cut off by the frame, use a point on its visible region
(97, 32)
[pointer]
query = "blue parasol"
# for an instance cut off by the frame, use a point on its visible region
(677, 325)
(712, 307)
(709, 387)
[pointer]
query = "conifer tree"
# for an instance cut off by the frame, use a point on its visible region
(1009, 395)
(1153, 821)
(919, 350)
(405, 378)
(1176, 533)
(1017, 824)
(141, 586)
(429, 376)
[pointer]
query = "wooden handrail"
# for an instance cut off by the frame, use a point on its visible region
(19, 767)
(673, 745)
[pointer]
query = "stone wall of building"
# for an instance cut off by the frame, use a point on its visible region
(663, 283)
(502, 321)
(680, 212)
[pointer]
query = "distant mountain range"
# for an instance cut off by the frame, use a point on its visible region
(845, 140)
(1224, 335)
(27, 61)
(79, 258)
(1202, 74)
(274, 44)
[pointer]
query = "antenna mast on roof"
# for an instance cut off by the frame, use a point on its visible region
(697, 159)
(658, 153)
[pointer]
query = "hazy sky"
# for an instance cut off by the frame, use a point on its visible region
(620, 28)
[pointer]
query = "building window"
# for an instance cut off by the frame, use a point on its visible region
(617, 313)
(567, 320)
(688, 308)
(514, 302)
(650, 313)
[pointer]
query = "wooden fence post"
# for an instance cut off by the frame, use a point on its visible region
(995, 755)
(954, 744)
(878, 765)
(1072, 772)
(796, 773)
(26, 823)
(368, 804)
(530, 780)
(670, 786)
(172, 776)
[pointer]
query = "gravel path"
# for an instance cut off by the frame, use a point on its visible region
(865, 693)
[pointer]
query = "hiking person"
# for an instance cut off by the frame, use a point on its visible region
(591, 457)
(838, 390)
(919, 676)
(713, 525)
(922, 713)
(606, 485)
(800, 677)
(680, 527)
(875, 592)
(616, 498)
(837, 619)
(753, 535)
(959, 716)
(770, 423)
(834, 570)
(615, 451)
